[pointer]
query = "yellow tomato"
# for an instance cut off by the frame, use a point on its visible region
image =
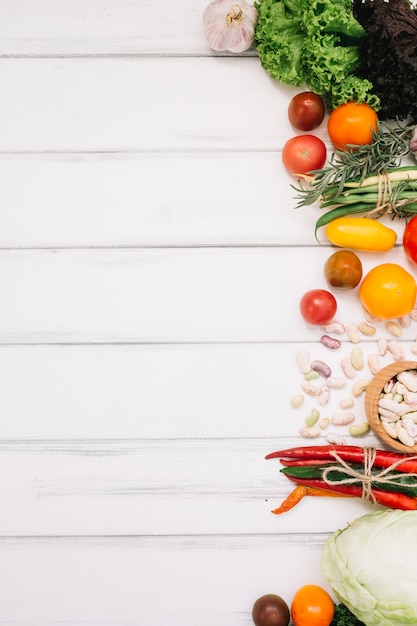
(361, 233)
(352, 124)
(312, 606)
(388, 291)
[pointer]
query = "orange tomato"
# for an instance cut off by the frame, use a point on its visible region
(388, 291)
(352, 124)
(312, 606)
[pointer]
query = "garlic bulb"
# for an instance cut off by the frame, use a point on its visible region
(230, 25)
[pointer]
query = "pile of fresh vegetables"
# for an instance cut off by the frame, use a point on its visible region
(358, 59)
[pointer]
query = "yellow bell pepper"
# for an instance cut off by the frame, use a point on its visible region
(361, 233)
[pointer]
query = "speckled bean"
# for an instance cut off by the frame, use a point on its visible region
(382, 346)
(335, 327)
(341, 419)
(324, 422)
(347, 367)
(330, 342)
(396, 350)
(324, 395)
(353, 334)
(405, 321)
(336, 382)
(310, 432)
(373, 363)
(335, 439)
(322, 368)
(310, 388)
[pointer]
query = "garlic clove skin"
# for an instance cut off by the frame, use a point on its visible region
(230, 25)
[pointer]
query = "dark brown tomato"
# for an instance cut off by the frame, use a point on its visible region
(306, 110)
(343, 270)
(270, 610)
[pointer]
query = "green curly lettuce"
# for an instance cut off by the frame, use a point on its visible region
(313, 43)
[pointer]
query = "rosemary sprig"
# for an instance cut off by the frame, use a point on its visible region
(388, 147)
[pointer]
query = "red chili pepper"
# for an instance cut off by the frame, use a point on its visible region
(386, 498)
(351, 454)
(305, 462)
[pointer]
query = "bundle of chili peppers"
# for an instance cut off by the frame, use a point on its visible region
(378, 476)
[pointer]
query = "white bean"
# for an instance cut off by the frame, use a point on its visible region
(366, 329)
(359, 387)
(394, 329)
(303, 360)
(403, 435)
(297, 400)
(389, 428)
(356, 358)
(408, 379)
(346, 403)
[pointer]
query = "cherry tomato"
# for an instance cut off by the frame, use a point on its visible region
(388, 291)
(352, 124)
(312, 606)
(318, 306)
(410, 239)
(306, 110)
(304, 153)
(343, 269)
(270, 610)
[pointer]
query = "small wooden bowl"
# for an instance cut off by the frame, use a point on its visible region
(372, 396)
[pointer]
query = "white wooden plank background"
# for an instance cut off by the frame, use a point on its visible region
(151, 263)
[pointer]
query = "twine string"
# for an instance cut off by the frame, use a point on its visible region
(366, 478)
(384, 203)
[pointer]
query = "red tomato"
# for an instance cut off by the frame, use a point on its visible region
(304, 153)
(318, 307)
(306, 110)
(410, 239)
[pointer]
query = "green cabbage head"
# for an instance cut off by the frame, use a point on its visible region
(371, 566)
